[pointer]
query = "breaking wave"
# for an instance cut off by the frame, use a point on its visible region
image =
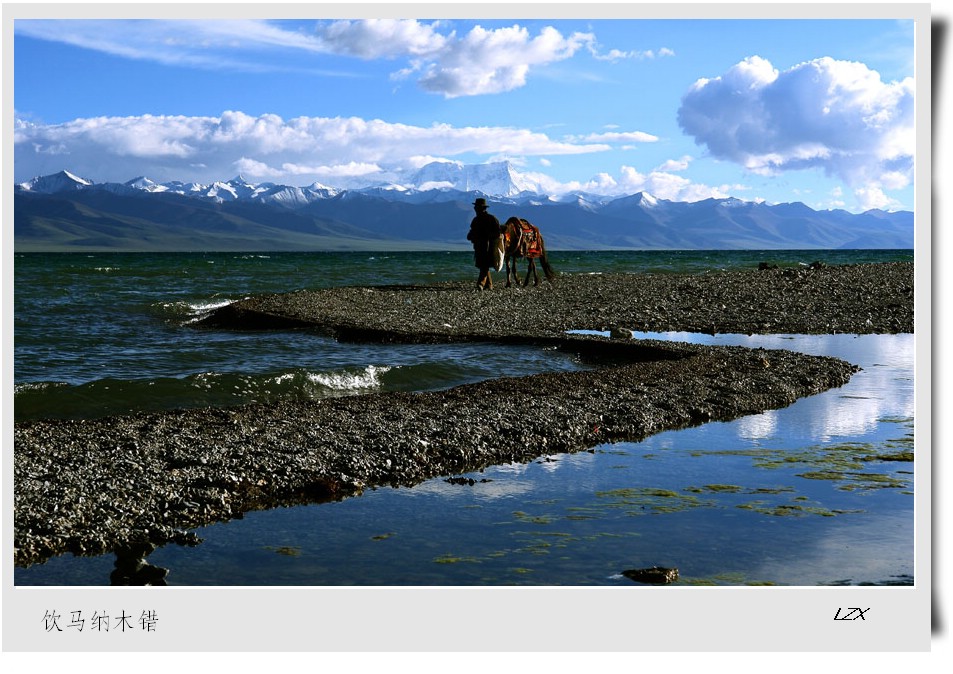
(112, 396)
(185, 312)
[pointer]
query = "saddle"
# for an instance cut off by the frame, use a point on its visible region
(529, 243)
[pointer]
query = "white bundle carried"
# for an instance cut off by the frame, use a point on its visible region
(498, 249)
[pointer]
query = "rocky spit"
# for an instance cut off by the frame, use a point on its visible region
(100, 485)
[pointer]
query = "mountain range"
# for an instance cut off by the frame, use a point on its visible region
(430, 209)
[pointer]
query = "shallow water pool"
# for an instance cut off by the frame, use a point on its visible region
(818, 493)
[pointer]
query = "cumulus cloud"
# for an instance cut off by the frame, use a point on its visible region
(208, 148)
(874, 197)
(666, 186)
(341, 151)
(629, 180)
(482, 61)
(381, 38)
(493, 61)
(837, 116)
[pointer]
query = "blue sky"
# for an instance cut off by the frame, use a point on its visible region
(819, 111)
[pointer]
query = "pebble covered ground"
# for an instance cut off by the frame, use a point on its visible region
(97, 485)
(858, 299)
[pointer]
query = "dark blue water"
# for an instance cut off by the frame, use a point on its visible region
(107, 333)
(800, 496)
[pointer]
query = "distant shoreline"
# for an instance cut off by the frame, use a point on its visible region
(385, 247)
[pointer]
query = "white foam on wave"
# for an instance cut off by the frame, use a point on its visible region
(195, 311)
(205, 379)
(37, 386)
(370, 377)
(205, 307)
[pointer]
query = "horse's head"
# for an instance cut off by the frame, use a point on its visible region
(509, 231)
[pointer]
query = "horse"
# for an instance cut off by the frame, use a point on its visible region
(522, 239)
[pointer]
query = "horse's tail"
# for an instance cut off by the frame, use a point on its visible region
(544, 260)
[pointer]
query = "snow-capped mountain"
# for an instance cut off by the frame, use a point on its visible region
(431, 207)
(498, 179)
(64, 181)
(144, 184)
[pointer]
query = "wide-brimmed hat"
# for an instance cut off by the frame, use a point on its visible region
(480, 203)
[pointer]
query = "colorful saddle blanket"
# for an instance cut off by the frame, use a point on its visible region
(530, 244)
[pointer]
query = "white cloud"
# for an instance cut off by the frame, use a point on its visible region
(681, 164)
(340, 151)
(493, 61)
(617, 137)
(666, 186)
(640, 54)
(348, 170)
(210, 148)
(895, 180)
(482, 61)
(837, 116)
(382, 38)
(629, 181)
(257, 170)
(210, 44)
(874, 197)
(418, 161)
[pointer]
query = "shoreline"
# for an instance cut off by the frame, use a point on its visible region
(94, 486)
(860, 299)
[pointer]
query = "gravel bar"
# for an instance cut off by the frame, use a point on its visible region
(98, 485)
(858, 299)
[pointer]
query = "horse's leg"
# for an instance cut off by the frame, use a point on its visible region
(544, 260)
(530, 268)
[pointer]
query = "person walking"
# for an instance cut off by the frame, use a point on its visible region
(484, 231)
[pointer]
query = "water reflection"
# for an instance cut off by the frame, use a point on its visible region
(493, 488)
(883, 389)
(758, 426)
(789, 496)
(881, 555)
(132, 568)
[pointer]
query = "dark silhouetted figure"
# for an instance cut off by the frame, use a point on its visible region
(484, 233)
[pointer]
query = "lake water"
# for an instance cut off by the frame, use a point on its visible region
(819, 493)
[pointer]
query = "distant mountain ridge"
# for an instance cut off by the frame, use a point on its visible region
(499, 179)
(64, 211)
